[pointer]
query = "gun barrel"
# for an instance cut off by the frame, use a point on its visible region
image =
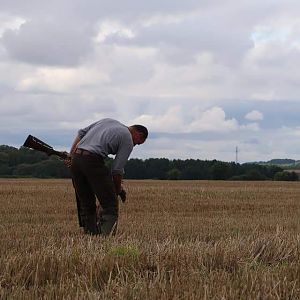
(37, 144)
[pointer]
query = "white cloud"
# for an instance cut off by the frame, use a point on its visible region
(112, 28)
(177, 120)
(291, 132)
(171, 121)
(213, 119)
(61, 79)
(251, 126)
(10, 23)
(254, 115)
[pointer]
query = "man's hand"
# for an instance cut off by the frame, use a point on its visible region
(122, 195)
(68, 161)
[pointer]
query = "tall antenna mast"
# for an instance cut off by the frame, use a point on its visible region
(236, 154)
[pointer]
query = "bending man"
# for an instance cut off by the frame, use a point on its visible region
(91, 178)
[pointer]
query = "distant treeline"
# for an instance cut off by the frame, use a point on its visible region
(162, 168)
(24, 162)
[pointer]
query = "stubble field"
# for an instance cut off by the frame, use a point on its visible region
(175, 240)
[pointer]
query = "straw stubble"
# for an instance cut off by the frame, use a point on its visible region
(175, 240)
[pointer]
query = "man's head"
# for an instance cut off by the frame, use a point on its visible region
(139, 134)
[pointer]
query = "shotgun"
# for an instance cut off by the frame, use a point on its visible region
(36, 144)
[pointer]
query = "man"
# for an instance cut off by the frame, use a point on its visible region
(91, 178)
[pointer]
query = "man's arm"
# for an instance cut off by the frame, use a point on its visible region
(117, 178)
(120, 191)
(75, 143)
(68, 160)
(118, 171)
(119, 162)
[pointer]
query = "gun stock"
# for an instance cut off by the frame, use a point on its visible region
(36, 144)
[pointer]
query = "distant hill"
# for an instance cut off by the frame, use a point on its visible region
(283, 162)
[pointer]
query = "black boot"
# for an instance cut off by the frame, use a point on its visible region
(90, 224)
(108, 224)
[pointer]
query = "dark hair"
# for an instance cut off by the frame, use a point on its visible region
(142, 129)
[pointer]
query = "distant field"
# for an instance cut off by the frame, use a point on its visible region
(176, 240)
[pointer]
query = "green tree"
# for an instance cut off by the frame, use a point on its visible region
(5, 170)
(173, 174)
(3, 158)
(156, 168)
(220, 170)
(254, 174)
(135, 169)
(286, 176)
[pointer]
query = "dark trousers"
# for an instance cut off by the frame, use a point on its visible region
(91, 179)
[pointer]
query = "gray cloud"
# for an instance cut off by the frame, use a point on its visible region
(192, 69)
(48, 43)
(183, 40)
(98, 9)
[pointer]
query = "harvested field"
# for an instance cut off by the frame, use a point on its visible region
(176, 240)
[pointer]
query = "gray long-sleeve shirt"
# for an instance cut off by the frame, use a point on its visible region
(105, 137)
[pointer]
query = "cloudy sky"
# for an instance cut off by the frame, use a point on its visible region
(205, 76)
